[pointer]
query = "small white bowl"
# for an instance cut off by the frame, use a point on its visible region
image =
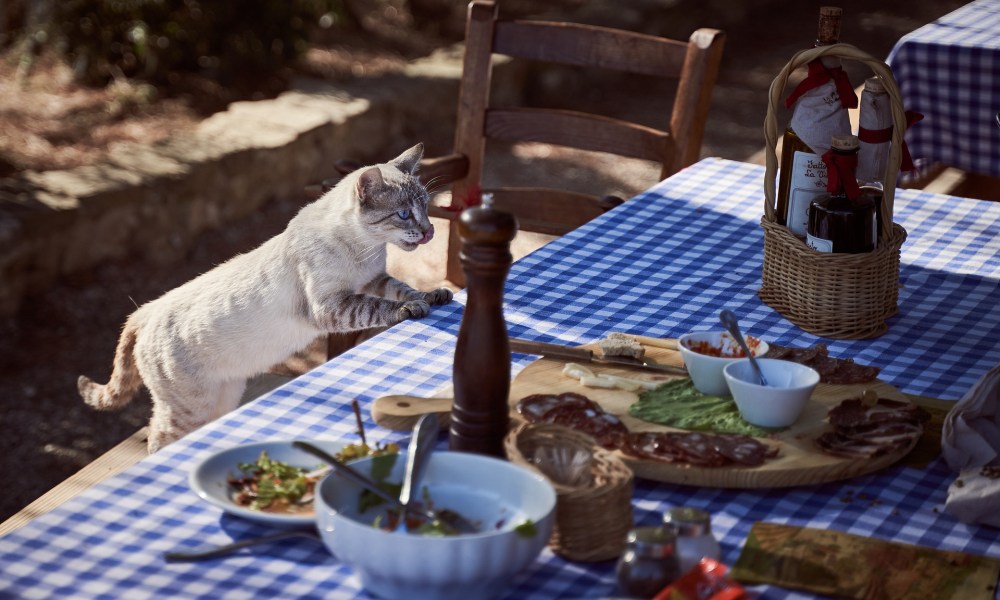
(706, 370)
(777, 404)
(498, 494)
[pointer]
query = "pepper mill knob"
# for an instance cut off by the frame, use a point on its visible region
(480, 415)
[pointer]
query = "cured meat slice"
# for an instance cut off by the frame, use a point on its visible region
(838, 444)
(839, 371)
(745, 450)
(606, 429)
(698, 449)
(853, 413)
(655, 446)
(864, 431)
(535, 407)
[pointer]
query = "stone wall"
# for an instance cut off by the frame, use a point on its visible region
(151, 201)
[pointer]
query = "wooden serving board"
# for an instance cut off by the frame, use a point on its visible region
(799, 462)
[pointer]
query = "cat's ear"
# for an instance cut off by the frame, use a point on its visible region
(369, 182)
(409, 161)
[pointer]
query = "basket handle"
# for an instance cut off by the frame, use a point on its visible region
(883, 72)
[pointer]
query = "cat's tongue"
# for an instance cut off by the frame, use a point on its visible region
(428, 235)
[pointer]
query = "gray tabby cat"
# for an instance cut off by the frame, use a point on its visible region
(196, 346)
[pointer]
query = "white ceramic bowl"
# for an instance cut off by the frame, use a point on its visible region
(778, 404)
(706, 370)
(210, 478)
(496, 493)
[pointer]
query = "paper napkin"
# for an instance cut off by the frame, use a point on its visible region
(970, 444)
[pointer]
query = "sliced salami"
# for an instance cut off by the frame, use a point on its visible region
(653, 446)
(694, 448)
(699, 449)
(535, 407)
(745, 450)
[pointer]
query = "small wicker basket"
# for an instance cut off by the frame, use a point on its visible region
(841, 296)
(593, 518)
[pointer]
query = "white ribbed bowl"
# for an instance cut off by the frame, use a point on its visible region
(706, 370)
(496, 493)
(780, 402)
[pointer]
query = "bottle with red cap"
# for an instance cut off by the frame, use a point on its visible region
(844, 218)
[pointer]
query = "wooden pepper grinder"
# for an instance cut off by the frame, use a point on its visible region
(481, 377)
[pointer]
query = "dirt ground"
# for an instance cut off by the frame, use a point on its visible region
(48, 122)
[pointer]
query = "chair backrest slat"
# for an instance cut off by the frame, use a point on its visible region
(590, 46)
(578, 130)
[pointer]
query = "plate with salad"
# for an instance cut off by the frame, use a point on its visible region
(271, 482)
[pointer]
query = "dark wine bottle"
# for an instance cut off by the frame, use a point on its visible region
(844, 219)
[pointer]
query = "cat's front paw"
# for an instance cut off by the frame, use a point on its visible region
(413, 309)
(438, 297)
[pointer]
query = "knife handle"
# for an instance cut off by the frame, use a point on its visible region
(550, 350)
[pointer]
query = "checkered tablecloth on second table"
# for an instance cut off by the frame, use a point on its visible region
(661, 264)
(949, 71)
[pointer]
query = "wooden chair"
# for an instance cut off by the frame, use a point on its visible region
(693, 63)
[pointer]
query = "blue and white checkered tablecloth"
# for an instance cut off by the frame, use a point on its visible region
(949, 71)
(661, 264)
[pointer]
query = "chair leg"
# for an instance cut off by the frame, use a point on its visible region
(453, 269)
(338, 343)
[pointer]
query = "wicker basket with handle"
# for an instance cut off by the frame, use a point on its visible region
(593, 514)
(841, 296)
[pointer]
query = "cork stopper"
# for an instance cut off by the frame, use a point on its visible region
(829, 25)
(844, 143)
(873, 85)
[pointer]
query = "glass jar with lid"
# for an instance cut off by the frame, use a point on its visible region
(649, 562)
(693, 528)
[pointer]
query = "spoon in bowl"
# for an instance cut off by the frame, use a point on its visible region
(448, 517)
(732, 325)
(421, 444)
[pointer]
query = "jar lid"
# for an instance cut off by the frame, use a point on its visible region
(688, 521)
(874, 85)
(844, 142)
(653, 542)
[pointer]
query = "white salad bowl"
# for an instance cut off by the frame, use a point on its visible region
(515, 507)
(780, 402)
(210, 478)
(704, 368)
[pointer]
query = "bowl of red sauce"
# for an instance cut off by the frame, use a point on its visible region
(706, 353)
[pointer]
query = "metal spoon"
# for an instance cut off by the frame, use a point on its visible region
(451, 518)
(421, 444)
(226, 549)
(732, 325)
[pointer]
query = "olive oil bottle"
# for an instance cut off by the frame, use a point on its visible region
(820, 113)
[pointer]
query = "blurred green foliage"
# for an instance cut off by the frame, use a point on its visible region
(156, 40)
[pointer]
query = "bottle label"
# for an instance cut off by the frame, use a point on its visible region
(808, 181)
(819, 244)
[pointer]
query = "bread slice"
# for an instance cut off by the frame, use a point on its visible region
(621, 344)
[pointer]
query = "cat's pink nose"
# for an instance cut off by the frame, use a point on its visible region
(428, 235)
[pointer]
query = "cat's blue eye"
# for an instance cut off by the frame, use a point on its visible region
(404, 214)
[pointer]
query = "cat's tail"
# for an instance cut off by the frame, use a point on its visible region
(125, 379)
